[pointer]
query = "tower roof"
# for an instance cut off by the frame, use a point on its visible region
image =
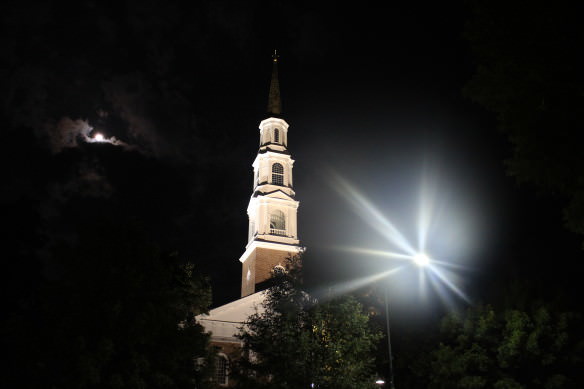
(274, 101)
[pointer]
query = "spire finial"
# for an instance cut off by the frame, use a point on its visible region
(274, 102)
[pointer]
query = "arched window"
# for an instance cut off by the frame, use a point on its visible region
(277, 174)
(277, 135)
(221, 370)
(277, 223)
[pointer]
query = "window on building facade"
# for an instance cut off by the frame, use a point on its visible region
(277, 135)
(277, 174)
(277, 223)
(221, 370)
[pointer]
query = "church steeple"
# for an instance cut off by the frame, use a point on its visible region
(273, 207)
(274, 100)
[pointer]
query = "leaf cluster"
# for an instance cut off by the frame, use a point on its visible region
(510, 348)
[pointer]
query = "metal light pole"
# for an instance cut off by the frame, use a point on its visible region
(390, 384)
(422, 260)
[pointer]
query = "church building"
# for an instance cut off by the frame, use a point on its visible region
(273, 233)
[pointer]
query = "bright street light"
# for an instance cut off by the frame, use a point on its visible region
(421, 259)
(438, 272)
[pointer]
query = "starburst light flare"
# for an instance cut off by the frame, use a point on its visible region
(430, 270)
(371, 214)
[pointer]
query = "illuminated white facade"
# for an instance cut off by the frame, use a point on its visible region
(272, 209)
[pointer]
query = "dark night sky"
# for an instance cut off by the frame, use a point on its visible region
(372, 94)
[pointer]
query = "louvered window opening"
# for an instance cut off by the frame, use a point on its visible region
(277, 174)
(278, 223)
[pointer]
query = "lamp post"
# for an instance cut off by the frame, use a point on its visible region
(390, 365)
(422, 260)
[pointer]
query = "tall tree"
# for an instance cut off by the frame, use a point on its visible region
(485, 347)
(112, 311)
(300, 342)
(529, 73)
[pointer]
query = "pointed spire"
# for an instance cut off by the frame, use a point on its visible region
(274, 101)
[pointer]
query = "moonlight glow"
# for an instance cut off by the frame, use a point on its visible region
(98, 137)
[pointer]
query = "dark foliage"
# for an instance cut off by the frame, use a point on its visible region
(107, 315)
(541, 347)
(529, 73)
(298, 341)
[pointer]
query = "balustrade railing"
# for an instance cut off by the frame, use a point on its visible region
(275, 231)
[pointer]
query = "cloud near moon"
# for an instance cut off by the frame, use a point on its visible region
(68, 133)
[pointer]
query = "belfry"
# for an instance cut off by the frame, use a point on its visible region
(272, 208)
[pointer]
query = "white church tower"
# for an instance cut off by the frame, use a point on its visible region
(273, 235)
(272, 209)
